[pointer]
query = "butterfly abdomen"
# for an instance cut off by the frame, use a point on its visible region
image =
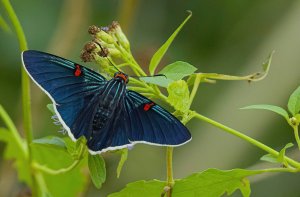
(114, 91)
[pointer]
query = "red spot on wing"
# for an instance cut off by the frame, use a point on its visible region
(148, 106)
(77, 71)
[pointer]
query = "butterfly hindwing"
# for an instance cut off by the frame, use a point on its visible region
(70, 86)
(147, 122)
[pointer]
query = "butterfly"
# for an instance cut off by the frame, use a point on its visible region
(108, 115)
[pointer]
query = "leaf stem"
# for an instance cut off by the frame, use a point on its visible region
(47, 170)
(296, 133)
(247, 138)
(195, 88)
(170, 179)
(12, 128)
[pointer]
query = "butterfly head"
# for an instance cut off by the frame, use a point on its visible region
(122, 76)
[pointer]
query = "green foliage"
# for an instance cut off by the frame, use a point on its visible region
(272, 108)
(214, 182)
(157, 80)
(97, 169)
(163, 49)
(294, 102)
(13, 151)
(179, 95)
(141, 188)
(211, 182)
(51, 142)
(294, 107)
(280, 158)
(178, 70)
(171, 72)
(69, 183)
(124, 155)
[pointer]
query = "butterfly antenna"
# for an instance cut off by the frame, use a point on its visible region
(157, 75)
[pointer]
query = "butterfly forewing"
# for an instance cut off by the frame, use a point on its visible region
(70, 92)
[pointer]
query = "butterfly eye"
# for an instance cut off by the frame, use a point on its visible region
(77, 71)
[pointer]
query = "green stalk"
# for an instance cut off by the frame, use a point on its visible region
(246, 138)
(195, 89)
(25, 79)
(12, 128)
(170, 179)
(25, 89)
(50, 171)
(296, 133)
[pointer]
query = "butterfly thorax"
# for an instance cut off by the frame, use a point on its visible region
(121, 76)
(109, 103)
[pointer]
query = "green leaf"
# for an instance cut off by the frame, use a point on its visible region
(157, 80)
(72, 183)
(97, 169)
(269, 158)
(14, 152)
(273, 108)
(124, 155)
(214, 182)
(51, 108)
(178, 70)
(265, 66)
(280, 158)
(297, 116)
(141, 188)
(163, 49)
(282, 152)
(294, 102)
(75, 148)
(211, 182)
(50, 141)
(172, 72)
(179, 95)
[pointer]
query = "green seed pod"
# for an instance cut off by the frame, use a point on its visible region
(114, 53)
(115, 28)
(103, 62)
(105, 37)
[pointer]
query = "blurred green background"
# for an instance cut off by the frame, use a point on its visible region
(229, 37)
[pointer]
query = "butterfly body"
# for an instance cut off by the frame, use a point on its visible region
(104, 111)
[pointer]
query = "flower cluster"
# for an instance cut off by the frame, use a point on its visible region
(108, 44)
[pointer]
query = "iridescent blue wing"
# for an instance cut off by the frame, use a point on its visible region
(72, 88)
(147, 122)
(138, 120)
(107, 133)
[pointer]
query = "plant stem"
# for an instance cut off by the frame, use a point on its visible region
(170, 179)
(25, 79)
(296, 133)
(50, 171)
(247, 138)
(195, 88)
(12, 128)
(26, 110)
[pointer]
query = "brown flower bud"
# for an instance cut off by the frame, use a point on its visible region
(94, 29)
